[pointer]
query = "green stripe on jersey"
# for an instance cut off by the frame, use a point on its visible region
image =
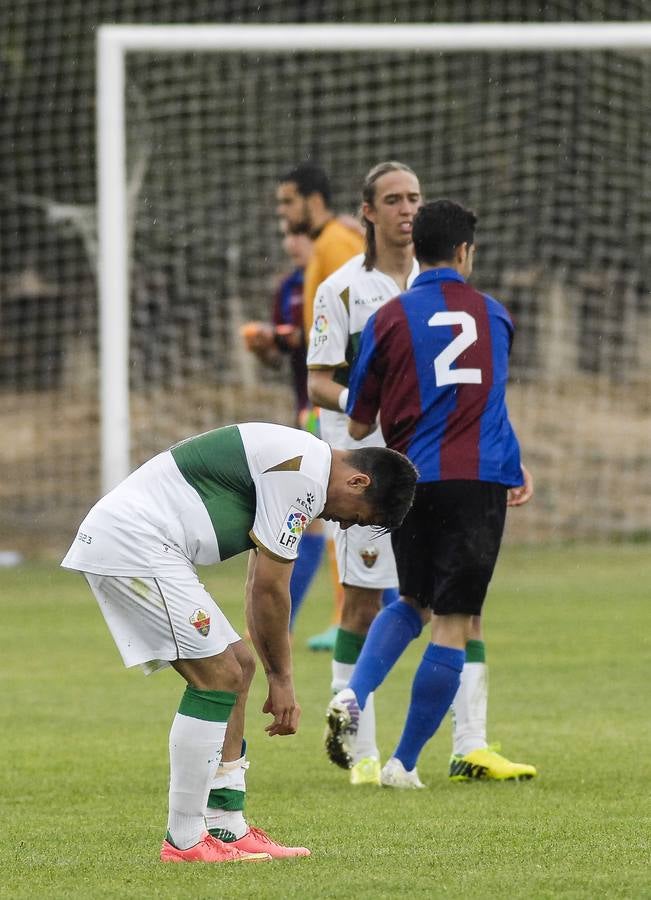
(215, 465)
(342, 374)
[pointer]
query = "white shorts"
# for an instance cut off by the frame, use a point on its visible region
(364, 559)
(157, 619)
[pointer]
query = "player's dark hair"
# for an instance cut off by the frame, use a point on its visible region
(368, 196)
(309, 179)
(393, 482)
(439, 227)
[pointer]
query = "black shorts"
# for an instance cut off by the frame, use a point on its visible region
(447, 546)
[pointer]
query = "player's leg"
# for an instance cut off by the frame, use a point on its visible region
(427, 556)
(207, 661)
(196, 741)
(199, 728)
(484, 505)
(470, 706)
(391, 632)
(225, 817)
(472, 757)
(360, 607)
(366, 567)
(174, 621)
(433, 689)
(225, 808)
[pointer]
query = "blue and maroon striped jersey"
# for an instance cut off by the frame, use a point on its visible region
(434, 363)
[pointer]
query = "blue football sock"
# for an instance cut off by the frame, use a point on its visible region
(390, 595)
(309, 558)
(391, 632)
(435, 683)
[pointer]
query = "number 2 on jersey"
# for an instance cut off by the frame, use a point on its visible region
(442, 363)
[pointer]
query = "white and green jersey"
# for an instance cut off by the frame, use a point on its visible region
(343, 304)
(206, 499)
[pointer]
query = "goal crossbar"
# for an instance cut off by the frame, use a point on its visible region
(115, 41)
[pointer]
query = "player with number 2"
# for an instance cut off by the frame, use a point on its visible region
(433, 362)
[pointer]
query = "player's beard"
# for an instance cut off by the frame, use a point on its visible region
(304, 225)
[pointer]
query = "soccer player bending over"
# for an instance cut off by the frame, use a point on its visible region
(433, 362)
(243, 487)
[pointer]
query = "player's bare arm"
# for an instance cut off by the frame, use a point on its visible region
(267, 613)
(324, 391)
(518, 496)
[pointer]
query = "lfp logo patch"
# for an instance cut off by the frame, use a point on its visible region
(295, 524)
(201, 621)
(320, 324)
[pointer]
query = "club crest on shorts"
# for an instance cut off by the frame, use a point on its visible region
(201, 621)
(369, 556)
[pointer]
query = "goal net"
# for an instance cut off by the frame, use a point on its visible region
(549, 146)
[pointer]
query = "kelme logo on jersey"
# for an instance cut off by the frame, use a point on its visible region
(201, 621)
(369, 556)
(307, 503)
(296, 522)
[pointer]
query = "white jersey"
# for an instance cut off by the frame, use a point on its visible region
(344, 303)
(207, 499)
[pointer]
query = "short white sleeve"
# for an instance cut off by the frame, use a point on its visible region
(290, 470)
(286, 505)
(329, 334)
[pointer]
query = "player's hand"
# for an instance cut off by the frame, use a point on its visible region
(257, 336)
(517, 496)
(282, 705)
(290, 336)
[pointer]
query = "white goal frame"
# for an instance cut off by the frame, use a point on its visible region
(113, 44)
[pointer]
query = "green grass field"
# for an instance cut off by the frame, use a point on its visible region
(83, 746)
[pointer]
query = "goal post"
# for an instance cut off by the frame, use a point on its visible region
(118, 180)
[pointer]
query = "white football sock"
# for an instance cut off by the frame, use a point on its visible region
(365, 744)
(469, 709)
(341, 675)
(195, 750)
(230, 776)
